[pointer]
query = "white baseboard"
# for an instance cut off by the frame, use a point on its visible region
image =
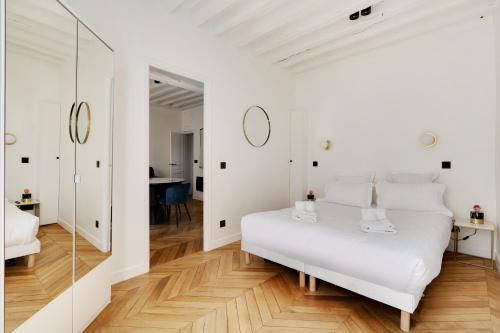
(128, 273)
(223, 241)
(91, 239)
(66, 226)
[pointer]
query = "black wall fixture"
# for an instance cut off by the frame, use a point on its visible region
(367, 11)
(354, 16)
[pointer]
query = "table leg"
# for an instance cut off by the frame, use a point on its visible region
(455, 241)
(492, 251)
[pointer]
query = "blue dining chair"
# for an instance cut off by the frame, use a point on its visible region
(153, 206)
(175, 196)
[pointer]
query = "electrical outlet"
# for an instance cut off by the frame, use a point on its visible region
(97, 164)
(96, 224)
(222, 223)
(446, 165)
(315, 163)
(222, 165)
(25, 159)
(195, 161)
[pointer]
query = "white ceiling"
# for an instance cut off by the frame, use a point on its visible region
(302, 34)
(174, 91)
(43, 28)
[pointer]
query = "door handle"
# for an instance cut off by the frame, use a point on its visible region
(70, 122)
(172, 164)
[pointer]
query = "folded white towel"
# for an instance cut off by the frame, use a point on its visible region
(372, 214)
(381, 226)
(303, 216)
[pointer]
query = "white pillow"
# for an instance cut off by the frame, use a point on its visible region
(351, 194)
(354, 179)
(427, 197)
(412, 178)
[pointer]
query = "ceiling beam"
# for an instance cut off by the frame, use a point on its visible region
(164, 89)
(325, 17)
(248, 10)
(159, 99)
(313, 43)
(172, 5)
(292, 11)
(183, 104)
(192, 106)
(184, 84)
(210, 10)
(181, 98)
(402, 27)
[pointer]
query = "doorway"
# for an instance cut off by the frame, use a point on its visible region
(175, 145)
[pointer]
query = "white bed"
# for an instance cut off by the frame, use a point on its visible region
(21, 229)
(391, 268)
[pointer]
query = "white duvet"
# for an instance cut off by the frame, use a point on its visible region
(20, 227)
(406, 261)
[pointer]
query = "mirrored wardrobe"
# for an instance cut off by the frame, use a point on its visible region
(58, 155)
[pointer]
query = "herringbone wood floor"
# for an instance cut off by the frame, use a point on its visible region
(216, 292)
(27, 290)
(167, 242)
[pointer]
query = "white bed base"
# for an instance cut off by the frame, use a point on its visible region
(28, 250)
(407, 303)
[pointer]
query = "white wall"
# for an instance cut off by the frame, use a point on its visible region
(374, 106)
(162, 121)
(192, 121)
(142, 34)
(39, 84)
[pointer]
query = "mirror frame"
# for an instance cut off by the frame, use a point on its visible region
(268, 123)
(89, 120)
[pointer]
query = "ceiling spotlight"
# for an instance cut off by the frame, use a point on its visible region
(367, 11)
(354, 16)
(157, 81)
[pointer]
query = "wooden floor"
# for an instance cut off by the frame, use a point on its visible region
(27, 290)
(167, 242)
(216, 292)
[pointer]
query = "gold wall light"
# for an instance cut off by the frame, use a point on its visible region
(326, 145)
(10, 139)
(428, 139)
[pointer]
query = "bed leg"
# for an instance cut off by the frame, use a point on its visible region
(405, 321)
(30, 260)
(312, 283)
(302, 279)
(247, 258)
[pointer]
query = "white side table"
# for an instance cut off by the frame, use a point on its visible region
(34, 203)
(464, 223)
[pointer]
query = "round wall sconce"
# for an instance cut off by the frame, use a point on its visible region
(326, 145)
(428, 139)
(10, 139)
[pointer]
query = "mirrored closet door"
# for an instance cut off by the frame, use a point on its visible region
(93, 151)
(58, 164)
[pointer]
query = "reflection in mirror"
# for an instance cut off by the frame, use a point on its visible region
(93, 152)
(256, 126)
(39, 164)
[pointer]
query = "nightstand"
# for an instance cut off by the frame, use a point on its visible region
(487, 226)
(32, 205)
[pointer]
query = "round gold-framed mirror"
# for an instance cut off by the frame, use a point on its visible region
(83, 123)
(256, 126)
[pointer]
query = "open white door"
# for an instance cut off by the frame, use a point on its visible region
(298, 155)
(48, 161)
(176, 155)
